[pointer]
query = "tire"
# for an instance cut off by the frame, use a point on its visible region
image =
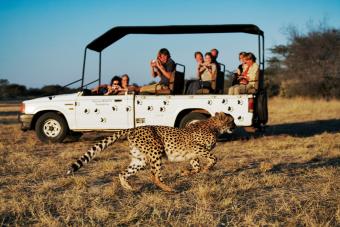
(51, 127)
(191, 118)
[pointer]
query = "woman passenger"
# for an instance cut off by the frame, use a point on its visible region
(248, 80)
(208, 71)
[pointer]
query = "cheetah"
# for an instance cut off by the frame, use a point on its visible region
(149, 144)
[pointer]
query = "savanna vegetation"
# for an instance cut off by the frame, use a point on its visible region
(9, 91)
(307, 65)
(287, 176)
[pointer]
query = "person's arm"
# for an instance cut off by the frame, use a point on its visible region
(198, 73)
(109, 90)
(154, 71)
(212, 71)
(163, 71)
(244, 74)
(201, 69)
(253, 73)
(96, 89)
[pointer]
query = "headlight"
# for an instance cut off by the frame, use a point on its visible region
(22, 108)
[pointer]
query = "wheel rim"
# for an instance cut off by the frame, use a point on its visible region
(51, 128)
(193, 121)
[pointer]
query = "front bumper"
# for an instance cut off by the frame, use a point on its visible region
(26, 121)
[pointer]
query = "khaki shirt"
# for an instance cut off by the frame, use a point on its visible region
(205, 76)
(253, 74)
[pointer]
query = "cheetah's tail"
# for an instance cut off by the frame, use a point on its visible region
(96, 148)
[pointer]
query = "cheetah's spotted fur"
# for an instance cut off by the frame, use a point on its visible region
(149, 143)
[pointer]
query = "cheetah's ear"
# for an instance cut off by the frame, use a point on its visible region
(223, 116)
(220, 115)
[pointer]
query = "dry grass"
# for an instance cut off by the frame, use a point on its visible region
(289, 176)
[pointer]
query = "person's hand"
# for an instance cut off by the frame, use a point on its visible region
(95, 90)
(119, 88)
(158, 63)
(109, 90)
(153, 63)
(238, 72)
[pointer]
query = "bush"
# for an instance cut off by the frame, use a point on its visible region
(307, 65)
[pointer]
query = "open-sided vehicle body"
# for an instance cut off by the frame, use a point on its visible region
(57, 116)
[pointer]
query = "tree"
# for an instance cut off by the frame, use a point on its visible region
(308, 64)
(13, 91)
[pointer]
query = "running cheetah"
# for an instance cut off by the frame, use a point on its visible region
(149, 144)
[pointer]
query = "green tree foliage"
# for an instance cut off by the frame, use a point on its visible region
(307, 66)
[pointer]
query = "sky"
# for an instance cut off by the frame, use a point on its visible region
(42, 42)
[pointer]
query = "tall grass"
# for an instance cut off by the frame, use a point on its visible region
(288, 176)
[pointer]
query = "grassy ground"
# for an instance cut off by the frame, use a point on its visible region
(289, 176)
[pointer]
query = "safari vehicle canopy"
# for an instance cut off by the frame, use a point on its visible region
(116, 33)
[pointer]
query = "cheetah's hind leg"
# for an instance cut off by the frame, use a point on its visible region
(136, 164)
(157, 176)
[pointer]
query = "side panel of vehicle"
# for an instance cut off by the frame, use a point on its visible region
(104, 112)
(164, 110)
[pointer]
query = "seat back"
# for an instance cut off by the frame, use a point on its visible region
(176, 84)
(219, 85)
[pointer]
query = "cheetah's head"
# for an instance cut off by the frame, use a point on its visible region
(225, 122)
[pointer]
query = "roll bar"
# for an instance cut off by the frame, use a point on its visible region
(116, 33)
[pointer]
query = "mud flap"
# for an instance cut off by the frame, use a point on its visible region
(260, 109)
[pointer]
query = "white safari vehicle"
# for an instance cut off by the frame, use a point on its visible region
(56, 117)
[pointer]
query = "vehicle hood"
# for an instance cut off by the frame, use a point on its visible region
(53, 98)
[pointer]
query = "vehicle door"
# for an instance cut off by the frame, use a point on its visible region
(104, 112)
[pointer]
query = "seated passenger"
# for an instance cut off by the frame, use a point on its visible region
(194, 85)
(239, 69)
(164, 67)
(108, 89)
(214, 53)
(126, 86)
(248, 79)
(200, 60)
(207, 72)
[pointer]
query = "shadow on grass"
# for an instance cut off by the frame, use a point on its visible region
(9, 121)
(298, 129)
(305, 129)
(316, 162)
(9, 113)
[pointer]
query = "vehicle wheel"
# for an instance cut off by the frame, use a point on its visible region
(191, 118)
(51, 127)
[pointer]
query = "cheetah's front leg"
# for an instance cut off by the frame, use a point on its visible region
(203, 152)
(195, 168)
